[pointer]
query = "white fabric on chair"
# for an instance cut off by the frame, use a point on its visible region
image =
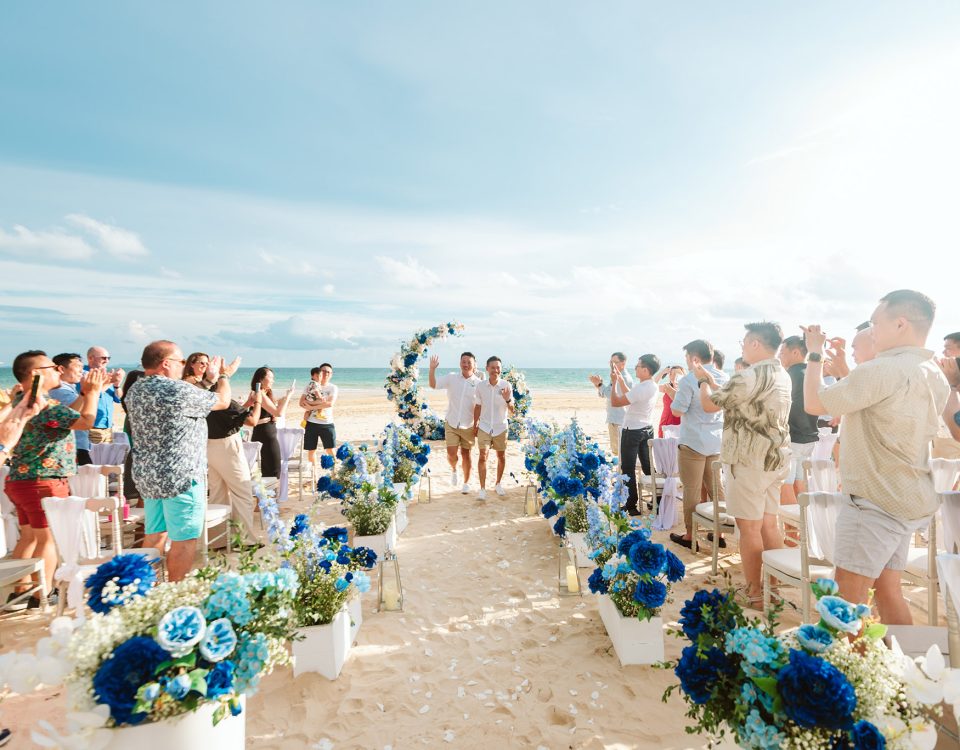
(823, 448)
(823, 475)
(671, 431)
(121, 438)
(948, 569)
(251, 452)
(11, 527)
(65, 517)
(665, 456)
(822, 523)
(291, 440)
(108, 454)
(946, 473)
(88, 481)
(950, 513)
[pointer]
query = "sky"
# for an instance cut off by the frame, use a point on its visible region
(298, 182)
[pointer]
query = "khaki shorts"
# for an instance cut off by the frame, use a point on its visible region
(458, 437)
(753, 492)
(613, 430)
(799, 452)
(498, 442)
(869, 539)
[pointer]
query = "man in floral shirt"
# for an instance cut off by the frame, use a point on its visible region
(168, 417)
(45, 455)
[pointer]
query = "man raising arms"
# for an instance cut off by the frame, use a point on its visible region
(461, 388)
(495, 402)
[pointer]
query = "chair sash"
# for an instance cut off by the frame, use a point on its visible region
(946, 473)
(88, 481)
(950, 514)
(121, 438)
(823, 448)
(8, 512)
(822, 524)
(823, 475)
(671, 431)
(251, 452)
(666, 458)
(290, 439)
(108, 454)
(948, 570)
(66, 519)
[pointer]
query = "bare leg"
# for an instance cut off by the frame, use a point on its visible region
(312, 457)
(452, 457)
(893, 608)
(854, 587)
(482, 468)
(157, 541)
(789, 497)
(501, 464)
(467, 464)
(180, 559)
(25, 548)
(751, 555)
(46, 549)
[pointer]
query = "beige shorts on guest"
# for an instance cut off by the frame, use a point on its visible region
(799, 453)
(459, 437)
(498, 442)
(752, 492)
(613, 430)
(869, 539)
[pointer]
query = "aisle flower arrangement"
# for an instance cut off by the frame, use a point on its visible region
(809, 688)
(402, 383)
(522, 401)
(355, 467)
(403, 455)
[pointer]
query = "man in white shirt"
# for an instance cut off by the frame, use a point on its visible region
(461, 388)
(637, 432)
(618, 361)
(494, 403)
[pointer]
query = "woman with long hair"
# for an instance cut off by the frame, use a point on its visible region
(265, 431)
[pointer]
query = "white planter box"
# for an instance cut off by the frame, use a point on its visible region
(191, 731)
(355, 611)
(400, 517)
(324, 648)
(403, 492)
(379, 543)
(634, 641)
(578, 541)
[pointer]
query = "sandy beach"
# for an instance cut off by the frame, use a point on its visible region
(486, 653)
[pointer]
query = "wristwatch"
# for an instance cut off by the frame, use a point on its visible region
(814, 357)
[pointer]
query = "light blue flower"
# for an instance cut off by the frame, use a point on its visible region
(760, 735)
(180, 630)
(228, 598)
(839, 614)
(251, 656)
(219, 641)
(814, 638)
(151, 691)
(755, 647)
(362, 581)
(341, 584)
(178, 687)
(825, 587)
(609, 571)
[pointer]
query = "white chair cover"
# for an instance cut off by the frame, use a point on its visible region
(11, 527)
(824, 476)
(65, 517)
(948, 570)
(290, 439)
(88, 481)
(665, 456)
(121, 438)
(252, 453)
(823, 448)
(108, 454)
(946, 473)
(822, 524)
(950, 514)
(671, 431)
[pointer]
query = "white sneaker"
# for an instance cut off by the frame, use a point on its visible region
(482, 495)
(454, 479)
(500, 491)
(465, 490)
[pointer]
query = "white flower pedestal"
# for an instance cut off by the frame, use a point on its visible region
(190, 731)
(577, 541)
(634, 641)
(400, 520)
(379, 543)
(324, 648)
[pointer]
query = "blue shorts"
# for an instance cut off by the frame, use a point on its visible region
(182, 517)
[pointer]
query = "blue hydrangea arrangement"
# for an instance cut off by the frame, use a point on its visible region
(827, 685)
(403, 454)
(402, 383)
(522, 401)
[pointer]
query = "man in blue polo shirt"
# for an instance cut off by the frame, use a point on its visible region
(98, 358)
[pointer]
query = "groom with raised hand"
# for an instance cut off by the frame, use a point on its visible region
(461, 388)
(494, 404)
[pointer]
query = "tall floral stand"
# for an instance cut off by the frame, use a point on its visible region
(189, 731)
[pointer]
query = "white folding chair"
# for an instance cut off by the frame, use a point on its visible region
(8, 512)
(12, 571)
(823, 448)
(713, 517)
(811, 559)
(821, 475)
(291, 459)
(664, 464)
(109, 453)
(89, 481)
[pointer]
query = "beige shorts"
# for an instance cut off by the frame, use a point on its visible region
(799, 452)
(497, 442)
(753, 492)
(613, 430)
(869, 539)
(458, 437)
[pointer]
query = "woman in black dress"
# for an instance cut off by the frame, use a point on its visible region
(265, 431)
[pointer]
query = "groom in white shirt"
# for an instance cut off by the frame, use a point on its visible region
(461, 388)
(494, 403)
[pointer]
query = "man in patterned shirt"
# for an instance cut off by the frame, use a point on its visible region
(168, 416)
(45, 455)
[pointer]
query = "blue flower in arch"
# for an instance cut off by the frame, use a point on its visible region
(676, 570)
(597, 582)
(336, 533)
(323, 484)
(549, 509)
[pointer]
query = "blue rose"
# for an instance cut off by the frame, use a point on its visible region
(301, 523)
(410, 360)
(181, 629)
(839, 614)
(699, 676)
(630, 539)
(323, 484)
(865, 736)
(119, 580)
(675, 568)
(549, 509)
(219, 641)
(364, 557)
(528, 463)
(422, 459)
(560, 527)
(341, 584)
(343, 452)
(589, 462)
(650, 594)
(336, 490)
(825, 587)
(597, 583)
(120, 676)
(815, 693)
(647, 558)
(700, 614)
(814, 638)
(336, 534)
(220, 679)
(178, 687)
(362, 582)
(326, 461)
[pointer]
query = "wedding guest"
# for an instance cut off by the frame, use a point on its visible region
(803, 426)
(718, 359)
(461, 388)
(317, 400)
(884, 460)
(13, 420)
(754, 448)
(669, 391)
(195, 371)
(495, 401)
(98, 358)
(951, 345)
(640, 402)
(700, 435)
(67, 393)
(265, 431)
(168, 420)
(130, 491)
(618, 363)
(739, 365)
(45, 456)
(951, 412)
(863, 347)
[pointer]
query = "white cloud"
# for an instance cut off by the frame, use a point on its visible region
(142, 333)
(45, 245)
(170, 273)
(327, 289)
(268, 258)
(300, 333)
(119, 242)
(409, 273)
